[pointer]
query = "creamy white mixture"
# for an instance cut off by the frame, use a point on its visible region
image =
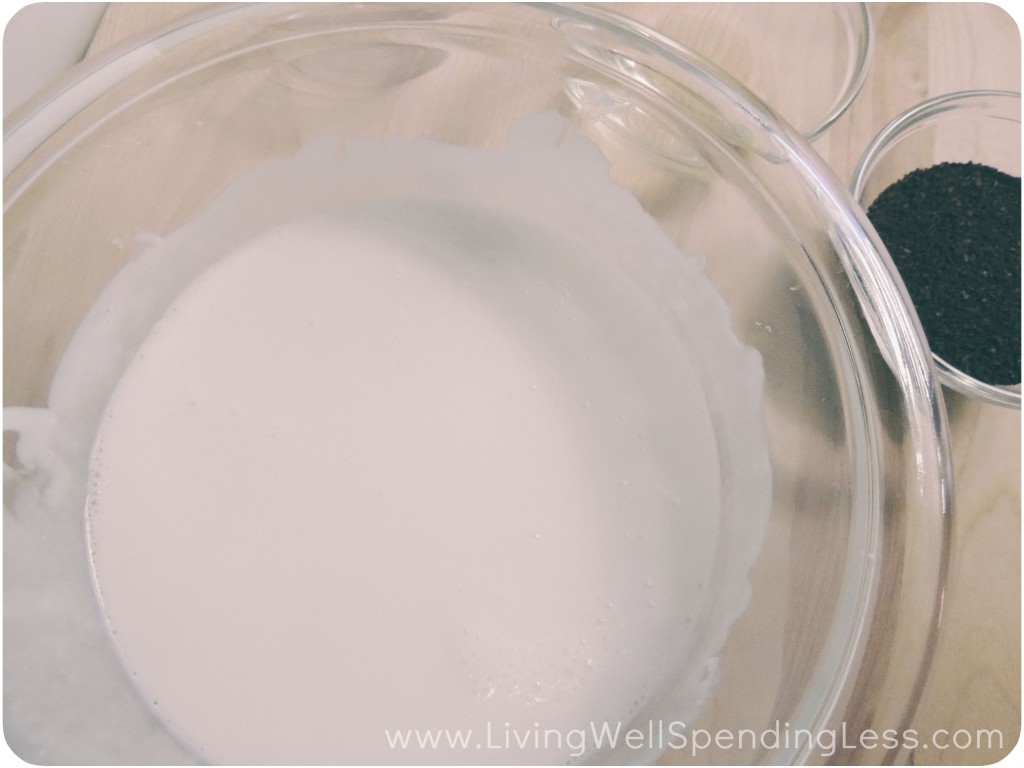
(417, 438)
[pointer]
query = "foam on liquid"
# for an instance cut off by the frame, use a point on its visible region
(421, 452)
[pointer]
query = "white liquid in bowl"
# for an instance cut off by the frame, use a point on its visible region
(403, 451)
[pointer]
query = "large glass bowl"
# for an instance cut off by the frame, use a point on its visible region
(847, 589)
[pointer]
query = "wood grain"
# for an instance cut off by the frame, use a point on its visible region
(922, 50)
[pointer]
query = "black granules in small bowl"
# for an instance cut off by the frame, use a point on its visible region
(953, 231)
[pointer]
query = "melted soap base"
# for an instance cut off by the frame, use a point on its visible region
(358, 490)
(440, 451)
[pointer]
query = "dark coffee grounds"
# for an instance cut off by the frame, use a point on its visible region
(953, 231)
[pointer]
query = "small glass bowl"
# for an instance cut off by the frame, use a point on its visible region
(980, 126)
(745, 40)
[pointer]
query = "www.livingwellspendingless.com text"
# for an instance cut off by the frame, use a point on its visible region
(662, 735)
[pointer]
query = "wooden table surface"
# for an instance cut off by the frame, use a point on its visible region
(921, 50)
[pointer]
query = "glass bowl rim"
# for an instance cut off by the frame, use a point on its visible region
(863, 32)
(94, 74)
